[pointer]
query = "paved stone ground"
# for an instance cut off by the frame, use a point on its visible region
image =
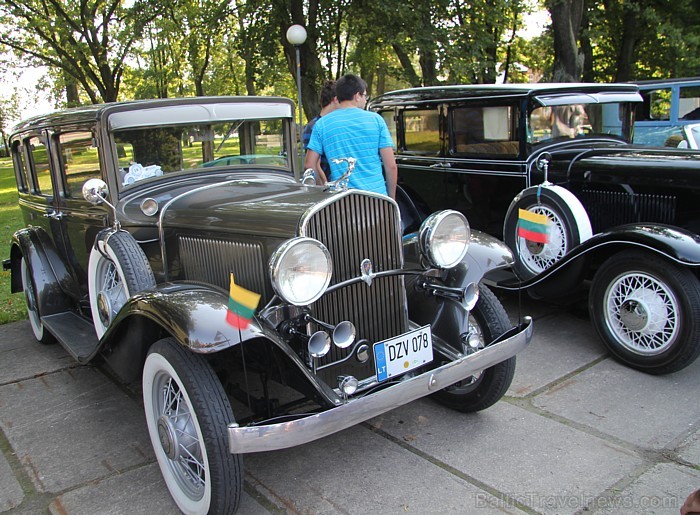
(577, 432)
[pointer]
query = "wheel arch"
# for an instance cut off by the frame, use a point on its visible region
(50, 275)
(193, 314)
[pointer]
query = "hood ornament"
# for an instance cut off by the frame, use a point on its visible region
(367, 273)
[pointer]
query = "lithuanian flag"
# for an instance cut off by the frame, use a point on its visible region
(532, 226)
(241, 305)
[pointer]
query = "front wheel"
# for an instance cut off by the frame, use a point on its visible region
(187, 413)
(647, 312)
(487, 321)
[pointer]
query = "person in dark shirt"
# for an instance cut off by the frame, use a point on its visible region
(328, 103)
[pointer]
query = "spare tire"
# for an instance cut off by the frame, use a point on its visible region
(568, 226)
(117, 269)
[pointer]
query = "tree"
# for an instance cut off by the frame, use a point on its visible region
(567, 17)
(89, 40)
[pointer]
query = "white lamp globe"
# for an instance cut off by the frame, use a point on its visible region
(296, 35)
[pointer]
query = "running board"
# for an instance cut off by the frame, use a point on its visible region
(75, 333)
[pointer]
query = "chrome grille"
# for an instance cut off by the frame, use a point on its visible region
(610, 208)
(211, 261)
(355, 227)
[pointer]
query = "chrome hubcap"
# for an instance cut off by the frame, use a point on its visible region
(168, 438)
(104, 308)
(642, 313)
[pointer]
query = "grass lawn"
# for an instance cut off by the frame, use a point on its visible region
(12, 306)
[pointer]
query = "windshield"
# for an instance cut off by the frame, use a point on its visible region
(560, 122)
(147, 152)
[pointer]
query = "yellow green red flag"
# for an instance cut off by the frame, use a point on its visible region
(533, 226)
(241, 305)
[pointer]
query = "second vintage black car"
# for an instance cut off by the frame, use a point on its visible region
(550, 169)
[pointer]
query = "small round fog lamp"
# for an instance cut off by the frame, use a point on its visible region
(347, 384)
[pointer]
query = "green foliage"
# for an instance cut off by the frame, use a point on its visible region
(12, 306)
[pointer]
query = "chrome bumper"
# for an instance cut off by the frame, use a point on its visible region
(271, 437)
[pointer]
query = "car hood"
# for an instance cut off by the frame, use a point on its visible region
(243, 207)
(616, 163)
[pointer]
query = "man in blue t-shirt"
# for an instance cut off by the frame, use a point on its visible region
(350, 131)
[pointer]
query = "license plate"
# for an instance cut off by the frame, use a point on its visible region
(403, 353)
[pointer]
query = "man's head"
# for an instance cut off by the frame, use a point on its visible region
(351, 87)
(327, 93)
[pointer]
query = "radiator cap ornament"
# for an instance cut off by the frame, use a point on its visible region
(366, 269)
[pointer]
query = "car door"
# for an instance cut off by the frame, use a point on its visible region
(417, 133)
(484, 169)
(79, 221)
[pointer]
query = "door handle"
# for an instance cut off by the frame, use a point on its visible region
(55, 215)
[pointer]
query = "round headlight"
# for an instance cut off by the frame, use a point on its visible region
(301, 270)
(444, 238)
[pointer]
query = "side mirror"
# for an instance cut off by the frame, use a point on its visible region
(309, 177)
(95, 191)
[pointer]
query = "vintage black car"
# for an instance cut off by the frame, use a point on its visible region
(549, 168)
(174, 241)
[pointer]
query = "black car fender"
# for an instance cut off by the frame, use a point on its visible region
(51, 277)
(447, 315)
(677, 245)
(195, 315)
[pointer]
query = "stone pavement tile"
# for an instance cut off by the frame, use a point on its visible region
(11, 494)
(358, 471)
(71, 427)
(22, 357)
(689, 450)
(642, 409)
(560, 345)
(659, 491)
(138, 491)
(533, 459)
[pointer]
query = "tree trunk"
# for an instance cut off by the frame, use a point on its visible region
(566, 23)
(630, 38)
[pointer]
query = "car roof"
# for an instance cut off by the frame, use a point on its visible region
(456, 92)
(91, 113)
(646, 84)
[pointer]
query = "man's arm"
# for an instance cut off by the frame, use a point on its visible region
(313, 160)
(390, 169)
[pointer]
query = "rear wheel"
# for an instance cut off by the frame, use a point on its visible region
(487, 321)
(40, 332)
(187, 412)
(647, 312)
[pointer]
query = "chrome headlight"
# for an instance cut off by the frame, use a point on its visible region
(301, 270)
(444, 238)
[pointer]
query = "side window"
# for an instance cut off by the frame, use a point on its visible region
(422, 131)
(39, 154)
(21, 173)
(656, 105)
(391, 123)
(484, 130)
(79, 160)
(689, 106)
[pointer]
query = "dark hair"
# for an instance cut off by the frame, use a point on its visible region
(327, 92)
(348, 86)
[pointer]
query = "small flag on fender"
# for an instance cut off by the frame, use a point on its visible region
(533, 226)
(241, 305)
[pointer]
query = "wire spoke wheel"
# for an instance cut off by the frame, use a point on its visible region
(642, 312)
(538, 257)
(188, 412)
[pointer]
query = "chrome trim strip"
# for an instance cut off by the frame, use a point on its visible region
(282, 435)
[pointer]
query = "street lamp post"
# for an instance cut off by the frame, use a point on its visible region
(296, 35)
